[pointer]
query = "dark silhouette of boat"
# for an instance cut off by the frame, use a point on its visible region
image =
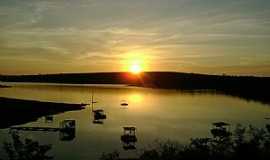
(99, 114)
(67, 130)
(220, 130)
(129, 138)
(124, 103)
(220, 124)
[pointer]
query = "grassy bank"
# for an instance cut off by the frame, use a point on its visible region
(4, 86)
(17, 111)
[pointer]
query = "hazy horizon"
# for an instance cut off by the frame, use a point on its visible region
(209, 37)
(59, 73)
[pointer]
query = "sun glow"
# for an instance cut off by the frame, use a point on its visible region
(135, 68)
(134, 62)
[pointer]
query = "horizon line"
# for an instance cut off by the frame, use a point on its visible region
(196, 73)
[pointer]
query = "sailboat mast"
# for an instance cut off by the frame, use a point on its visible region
(92, 100)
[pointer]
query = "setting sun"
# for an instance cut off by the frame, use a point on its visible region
(135, 68)
(134, 62)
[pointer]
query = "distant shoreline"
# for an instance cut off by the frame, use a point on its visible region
(247, 87)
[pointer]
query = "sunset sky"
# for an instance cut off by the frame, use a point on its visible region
(201, 36)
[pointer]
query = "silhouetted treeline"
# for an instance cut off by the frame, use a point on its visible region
(72, 78)
(248, 87)
(243, 143)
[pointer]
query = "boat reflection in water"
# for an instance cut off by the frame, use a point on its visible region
(67, 130)
(129, 138)
(98, 114)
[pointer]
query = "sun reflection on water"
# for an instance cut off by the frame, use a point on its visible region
(136, 98)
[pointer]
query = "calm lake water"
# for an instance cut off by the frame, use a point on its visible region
(156, 114)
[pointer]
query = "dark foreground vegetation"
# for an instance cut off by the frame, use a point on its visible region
(27, 149)
(244, 143)
(247, 87)
(16, 112)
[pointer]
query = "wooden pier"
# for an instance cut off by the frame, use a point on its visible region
(38, 129)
